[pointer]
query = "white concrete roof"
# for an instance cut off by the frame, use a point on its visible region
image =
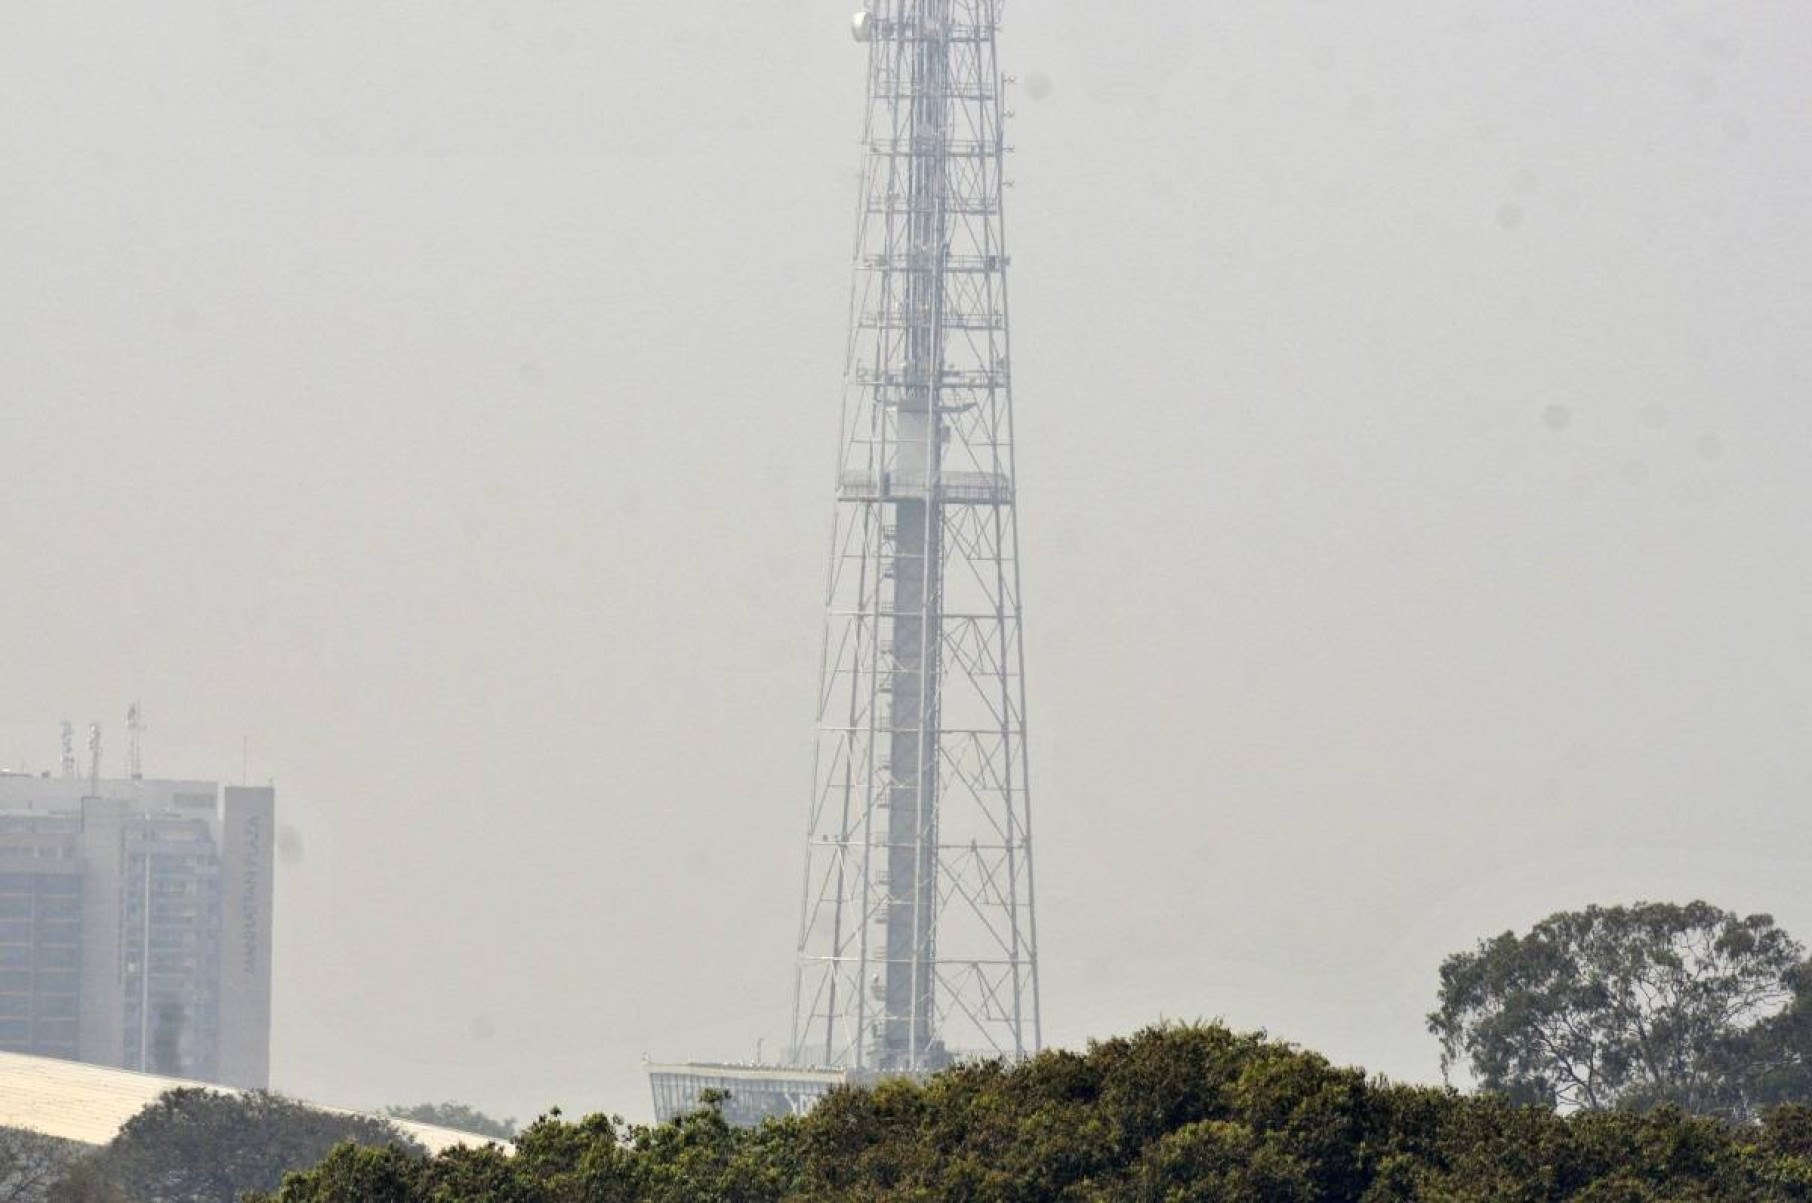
(90, 1103)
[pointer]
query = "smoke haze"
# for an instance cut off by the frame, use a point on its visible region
(434, 406)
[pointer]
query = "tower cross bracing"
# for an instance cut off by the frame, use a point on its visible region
(917, 939)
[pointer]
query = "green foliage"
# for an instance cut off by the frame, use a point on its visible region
(1773, 1059)
(457, 1116)
(1173, 1115)
(30, 1162)
(202, 1146)
(1631, 1007)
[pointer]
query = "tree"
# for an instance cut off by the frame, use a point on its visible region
(1773, 1059)
(1621, 1007)
(201, 1146)
(457, 1116)
(358, 1172)
(30, 1162)
(1185, 1114)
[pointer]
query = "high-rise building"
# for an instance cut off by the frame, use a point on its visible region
(135, 924)
(917, 941)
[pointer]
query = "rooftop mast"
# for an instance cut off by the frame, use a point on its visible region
(69, 758)
(94, 760)
(135, 750)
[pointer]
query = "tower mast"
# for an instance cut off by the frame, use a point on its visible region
(94, 760)
(917, 935)
(135, 742)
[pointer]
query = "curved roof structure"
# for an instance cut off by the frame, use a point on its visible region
(89, 1104)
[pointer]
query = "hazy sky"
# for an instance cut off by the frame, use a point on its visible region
(441, 399)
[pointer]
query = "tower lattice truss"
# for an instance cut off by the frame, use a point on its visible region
(918, 940)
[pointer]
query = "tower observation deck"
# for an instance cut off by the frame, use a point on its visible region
(917, 938)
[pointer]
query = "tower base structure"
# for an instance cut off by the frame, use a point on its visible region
(747, 1094)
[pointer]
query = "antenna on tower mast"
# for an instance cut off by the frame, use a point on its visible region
(94, 760)
(68, 750)
(135, 751)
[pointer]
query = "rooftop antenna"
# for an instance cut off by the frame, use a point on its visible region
(94, 760)
(135, 751)
(68, 749)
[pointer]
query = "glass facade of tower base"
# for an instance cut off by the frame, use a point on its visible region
(753, 1092)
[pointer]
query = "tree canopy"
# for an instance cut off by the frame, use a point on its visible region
(1181, 1113)
(458, 1116)
(1629, 1007)
(30, 1163)
(202, 1146)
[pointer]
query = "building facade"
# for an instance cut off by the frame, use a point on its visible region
(135, 925)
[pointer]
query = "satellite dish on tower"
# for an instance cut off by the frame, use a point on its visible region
(862, 25)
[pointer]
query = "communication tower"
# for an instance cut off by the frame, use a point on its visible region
(917, 939)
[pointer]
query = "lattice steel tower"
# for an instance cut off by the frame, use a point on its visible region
(917, 936)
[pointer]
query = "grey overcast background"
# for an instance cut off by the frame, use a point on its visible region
(435, 404)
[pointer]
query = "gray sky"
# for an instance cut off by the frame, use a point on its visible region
(440, 398)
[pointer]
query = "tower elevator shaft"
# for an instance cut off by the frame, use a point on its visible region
(909, 950)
